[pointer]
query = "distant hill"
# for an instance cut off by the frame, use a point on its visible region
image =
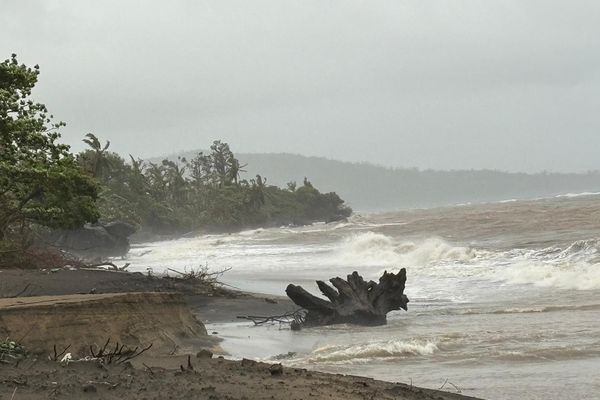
(368, 187)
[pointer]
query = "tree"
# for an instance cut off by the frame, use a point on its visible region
(95, 160)
(219, 168)
(40, 180)
(175, 178)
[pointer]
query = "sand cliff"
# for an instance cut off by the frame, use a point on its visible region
(134, 319)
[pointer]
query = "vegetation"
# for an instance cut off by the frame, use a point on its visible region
(11, 351)
(41, 184)
(378, 188)
(44, 186)
(205, 192)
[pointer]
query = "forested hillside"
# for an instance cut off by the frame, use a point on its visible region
(369, 187)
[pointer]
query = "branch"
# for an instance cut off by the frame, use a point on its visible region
(21, 292)
(114, 266)
(287, 318)
(36, 192)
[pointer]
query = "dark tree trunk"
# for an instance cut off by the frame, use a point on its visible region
(355, 301)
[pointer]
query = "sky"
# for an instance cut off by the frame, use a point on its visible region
(469, 84)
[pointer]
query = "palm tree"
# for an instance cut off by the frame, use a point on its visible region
(257, 191)
(233, 170)
(175, 175)
(155, 175)
(100, 163)
(138, 180)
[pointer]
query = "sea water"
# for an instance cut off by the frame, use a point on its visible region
(505, 297)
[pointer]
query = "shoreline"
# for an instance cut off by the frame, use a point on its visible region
(167, 374)
(201, 378)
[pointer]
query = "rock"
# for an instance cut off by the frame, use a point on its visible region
(204, 353)
(276, 369)
(94, 240)
(120, 229)
(89, 388)
(248, 363)
(288, 355)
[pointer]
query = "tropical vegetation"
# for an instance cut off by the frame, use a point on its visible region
(205, 192)
(41, 183)
(44, 186)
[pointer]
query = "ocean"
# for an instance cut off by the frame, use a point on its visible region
(504, 297)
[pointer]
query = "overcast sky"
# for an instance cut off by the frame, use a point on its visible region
(511, 85)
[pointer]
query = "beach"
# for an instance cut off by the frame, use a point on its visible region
(161, 373)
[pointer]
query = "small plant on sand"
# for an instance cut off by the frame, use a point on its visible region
(11, 351)
(119, 354)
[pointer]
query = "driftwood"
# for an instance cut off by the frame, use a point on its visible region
(294, 318)
(355, 301)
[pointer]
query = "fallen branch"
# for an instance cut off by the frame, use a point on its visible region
(287, 318)
(21, 292)
(59, 355)
(108, 264)
(119, 355)
(200, 273)
(148, 368)
(458, 390)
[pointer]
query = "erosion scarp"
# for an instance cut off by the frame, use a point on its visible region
(133, 319)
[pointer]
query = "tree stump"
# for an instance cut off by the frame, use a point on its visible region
(355, 301)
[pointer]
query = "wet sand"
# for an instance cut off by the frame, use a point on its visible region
(209, 379)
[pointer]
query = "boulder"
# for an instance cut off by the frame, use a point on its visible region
(94, 240)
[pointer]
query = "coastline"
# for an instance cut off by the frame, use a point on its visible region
(167, 375)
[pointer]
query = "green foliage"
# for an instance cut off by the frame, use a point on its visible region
(40, 180)
(204, 192)
(11, 351)
(43, 185)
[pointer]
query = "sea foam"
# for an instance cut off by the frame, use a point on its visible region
(372, 350)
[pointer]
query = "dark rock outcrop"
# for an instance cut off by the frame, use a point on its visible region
(96, 240)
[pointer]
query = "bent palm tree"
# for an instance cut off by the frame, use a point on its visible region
(100, 164)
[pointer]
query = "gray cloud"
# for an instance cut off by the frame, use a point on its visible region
(435, 84)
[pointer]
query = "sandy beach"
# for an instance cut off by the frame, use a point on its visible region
(158, 373)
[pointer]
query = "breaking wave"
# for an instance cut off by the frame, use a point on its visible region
(529, 310)
(581, 276)
(547, 354)
(377, 249)
(370, 351)
(575, 267)
(574, 195)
